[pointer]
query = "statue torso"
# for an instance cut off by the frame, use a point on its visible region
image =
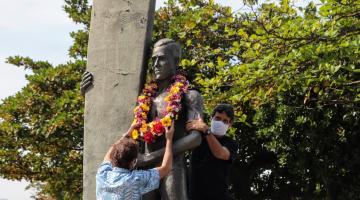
(158, 107)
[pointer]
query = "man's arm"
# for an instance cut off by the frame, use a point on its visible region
(166, 165)
(194, 106)
(216, 148)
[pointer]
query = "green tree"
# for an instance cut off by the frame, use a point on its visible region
(293, 76)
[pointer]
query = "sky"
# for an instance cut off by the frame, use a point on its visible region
(38, 29)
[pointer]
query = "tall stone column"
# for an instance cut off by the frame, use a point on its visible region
(120, 35)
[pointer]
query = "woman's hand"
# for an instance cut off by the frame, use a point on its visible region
(169, 133)
(131, 129)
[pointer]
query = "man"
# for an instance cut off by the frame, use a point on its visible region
(166, 57)
(211, 160)
(116, 177)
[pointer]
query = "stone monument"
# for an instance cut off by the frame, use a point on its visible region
(119, 37)
(166, 57)
(120, 34)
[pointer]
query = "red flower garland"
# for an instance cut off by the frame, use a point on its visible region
(150, 131)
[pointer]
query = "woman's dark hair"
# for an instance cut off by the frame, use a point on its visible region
(227, 108)
(124, 152)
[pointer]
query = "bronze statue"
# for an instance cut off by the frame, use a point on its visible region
(166, 57)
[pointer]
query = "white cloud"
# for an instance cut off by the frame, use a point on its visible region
(14, 190)
(23, 15)
(12, 79)
(35, 28)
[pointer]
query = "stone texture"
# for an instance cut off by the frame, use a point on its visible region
(120, 35)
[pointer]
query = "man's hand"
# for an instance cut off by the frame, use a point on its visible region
(86, 82)
(169, 133)
(197, 124)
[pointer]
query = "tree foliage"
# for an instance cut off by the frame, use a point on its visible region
(41, 126)
(292, 74)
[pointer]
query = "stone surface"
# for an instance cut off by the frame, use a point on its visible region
(120, 34)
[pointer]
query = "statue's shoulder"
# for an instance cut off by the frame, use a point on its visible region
(192, 94)
(193, 97)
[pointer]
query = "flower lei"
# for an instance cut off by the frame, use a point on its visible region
(150, 131)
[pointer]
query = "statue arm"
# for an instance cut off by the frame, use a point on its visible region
(180, 146)
(194, 105)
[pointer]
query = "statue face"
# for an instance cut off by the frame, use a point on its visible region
(164, 63)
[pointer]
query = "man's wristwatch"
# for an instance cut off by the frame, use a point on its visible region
(207, 132)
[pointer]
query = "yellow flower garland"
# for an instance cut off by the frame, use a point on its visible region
(149, 131)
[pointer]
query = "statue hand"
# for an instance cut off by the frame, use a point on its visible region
(86, 82)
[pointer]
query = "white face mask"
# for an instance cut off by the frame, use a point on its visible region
(218, 127)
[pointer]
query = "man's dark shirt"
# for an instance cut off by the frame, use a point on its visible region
(208, 180)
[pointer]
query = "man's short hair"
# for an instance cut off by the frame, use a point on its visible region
(170, 45)
(124, 152)
(227, 108)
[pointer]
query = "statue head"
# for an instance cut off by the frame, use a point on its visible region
(166, 57)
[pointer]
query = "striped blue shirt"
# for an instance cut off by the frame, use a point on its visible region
(113, 183)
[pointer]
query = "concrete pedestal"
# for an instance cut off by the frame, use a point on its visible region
(120, 35)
